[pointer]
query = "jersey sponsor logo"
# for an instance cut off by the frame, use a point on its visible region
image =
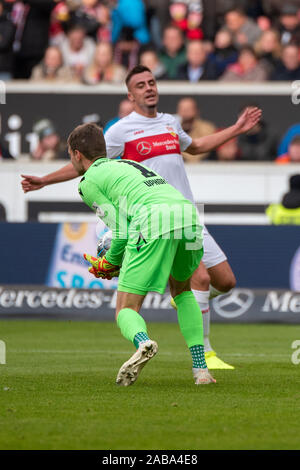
(152, 146)
(138, 132)
(144, 148)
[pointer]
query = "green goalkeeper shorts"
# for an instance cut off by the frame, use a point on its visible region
(147, 265)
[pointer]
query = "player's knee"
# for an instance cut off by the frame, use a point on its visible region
(200, 280)
(227, 284)
(177, 287)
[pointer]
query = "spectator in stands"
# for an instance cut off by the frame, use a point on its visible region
(127, 49)
(273, 8)
(158, 17)
(293, 153)
(52, 68)
(4, 152)
(191, 122)
(32, 19)
(253, 8)
(288, 211)
(149, 58)
(227, 152)
(268, 49)
(224, 53)
(60, 16)
(173, 54)
(50, 146)
(103, 68)
(247, 68)
(198, 66)
(130, 14)
(259, 144)
(187, 15)
(292, 132)
(94, 17)
(291, 200)
(244, 30)
(213, 15)
(125, 108)
(289, 69)
(289, 24)
(77, 50)
(7, 35)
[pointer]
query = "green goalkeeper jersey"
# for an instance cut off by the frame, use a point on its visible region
(134, 201)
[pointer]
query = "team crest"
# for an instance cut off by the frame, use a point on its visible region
(171, 131)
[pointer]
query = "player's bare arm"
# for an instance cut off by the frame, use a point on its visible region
(247, 120)
(32, 183)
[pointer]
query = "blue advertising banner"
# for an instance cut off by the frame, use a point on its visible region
(262, 257)
(68, 268)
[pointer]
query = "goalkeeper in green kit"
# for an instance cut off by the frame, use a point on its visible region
(157, 237)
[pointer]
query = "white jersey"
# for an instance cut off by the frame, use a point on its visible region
(156, 143)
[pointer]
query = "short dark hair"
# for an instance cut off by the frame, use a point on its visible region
(135, 71)
(249, 49)
(236, 9)
(295, 140)
(88, 139)
(290, 44)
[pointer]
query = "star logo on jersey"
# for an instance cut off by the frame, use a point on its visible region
(141, 241)
(144, 148)
(171, 131)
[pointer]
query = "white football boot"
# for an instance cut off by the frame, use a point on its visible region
(131, 369)
(203, 377)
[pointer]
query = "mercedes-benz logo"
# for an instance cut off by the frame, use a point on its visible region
(143, 148)
(234, 304)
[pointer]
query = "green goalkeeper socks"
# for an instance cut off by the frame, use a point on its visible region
(140, 338)
(198, 356)
(191, 326)
(132, 326)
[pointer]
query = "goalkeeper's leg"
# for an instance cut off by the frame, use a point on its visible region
(222, 276)
(133, 328)
(191, 326)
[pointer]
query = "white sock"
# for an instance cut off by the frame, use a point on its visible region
(213, 292)
(202, 298)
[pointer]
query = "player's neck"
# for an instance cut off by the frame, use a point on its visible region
(87, 163)
(149, 112)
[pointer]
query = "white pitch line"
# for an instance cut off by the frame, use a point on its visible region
(100, 351)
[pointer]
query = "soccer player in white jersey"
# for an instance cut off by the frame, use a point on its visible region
(156, 140)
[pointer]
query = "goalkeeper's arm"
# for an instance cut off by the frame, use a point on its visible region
(32, 183)
(116, 252)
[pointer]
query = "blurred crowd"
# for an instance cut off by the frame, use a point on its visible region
(94, 41)
(91, 41)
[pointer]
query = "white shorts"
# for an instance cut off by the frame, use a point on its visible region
(213, 254)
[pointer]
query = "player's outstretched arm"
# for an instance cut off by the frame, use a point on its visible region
(247, 120)
(32, 183)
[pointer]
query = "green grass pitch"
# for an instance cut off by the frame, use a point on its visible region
(58, 391)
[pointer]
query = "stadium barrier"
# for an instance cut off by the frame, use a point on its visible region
(240, 306)
(236, 193)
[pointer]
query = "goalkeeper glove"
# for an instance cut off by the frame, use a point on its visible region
(101, 267)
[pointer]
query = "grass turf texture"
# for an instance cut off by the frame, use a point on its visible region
(57, 390)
